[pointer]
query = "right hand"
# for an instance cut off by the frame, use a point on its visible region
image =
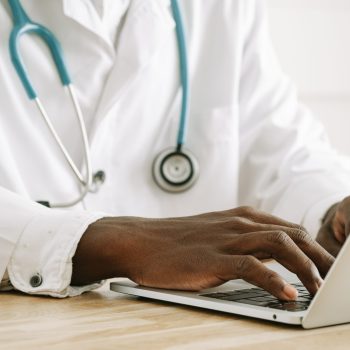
(199, 252)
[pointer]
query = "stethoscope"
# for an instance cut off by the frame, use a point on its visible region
(174, 170)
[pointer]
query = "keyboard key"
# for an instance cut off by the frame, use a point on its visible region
(304, 299)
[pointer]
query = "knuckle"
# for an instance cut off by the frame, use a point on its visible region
(246, 210)
(343, 206)
(301, 236)
(346, 200)
(298, 227)
(243, 221)
(244, 265)
(302, 228)
(236, 220)
(278, 237)
(308, 265)
(239, 223)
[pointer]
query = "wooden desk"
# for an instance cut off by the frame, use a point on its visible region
(106, 320)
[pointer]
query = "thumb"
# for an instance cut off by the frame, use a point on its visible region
(340, 224)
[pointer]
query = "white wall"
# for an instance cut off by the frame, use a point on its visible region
(312, 40)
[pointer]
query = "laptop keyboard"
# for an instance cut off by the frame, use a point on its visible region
(259, 297)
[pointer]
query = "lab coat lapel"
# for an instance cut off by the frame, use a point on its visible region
(147, 26)
(83, 12)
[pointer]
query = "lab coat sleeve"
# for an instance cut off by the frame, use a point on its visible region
(38, 244)
(287, 167)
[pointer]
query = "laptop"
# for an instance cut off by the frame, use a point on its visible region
(330, 306)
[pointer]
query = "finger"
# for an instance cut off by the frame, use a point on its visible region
(310, 247)
(255, 272)
(341, 220)
(338, 227)
(244, 212)
(327, 239)
(279, 246)
(322, 259)
(261, 217)
(346, 232)
(245, 225)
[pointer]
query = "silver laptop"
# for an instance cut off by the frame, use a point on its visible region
(330, 306)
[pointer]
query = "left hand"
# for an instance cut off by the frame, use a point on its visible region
(336, 227)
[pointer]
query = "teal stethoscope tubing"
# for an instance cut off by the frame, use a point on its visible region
(24, 25)
(181, 40)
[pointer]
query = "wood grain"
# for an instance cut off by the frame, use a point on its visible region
(107, 320)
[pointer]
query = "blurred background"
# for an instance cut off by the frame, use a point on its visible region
(312, 40)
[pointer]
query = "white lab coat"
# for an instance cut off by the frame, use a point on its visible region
(255, 143)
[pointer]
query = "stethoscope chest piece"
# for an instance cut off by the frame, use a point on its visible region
(175, 171)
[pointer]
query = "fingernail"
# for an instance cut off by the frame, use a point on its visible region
(290, 292)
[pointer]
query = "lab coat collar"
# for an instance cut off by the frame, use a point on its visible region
(147, 26)
(84, 13)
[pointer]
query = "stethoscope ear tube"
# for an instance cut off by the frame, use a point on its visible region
(23, 25)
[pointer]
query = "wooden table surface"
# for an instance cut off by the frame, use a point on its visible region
(106, 320)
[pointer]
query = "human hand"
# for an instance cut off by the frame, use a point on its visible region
(335, 227)
(199, 252)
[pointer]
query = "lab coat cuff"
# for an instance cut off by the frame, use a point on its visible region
(306, 201)
(42, 260)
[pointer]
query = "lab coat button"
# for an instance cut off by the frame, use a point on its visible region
(36, 280)
(99, 177)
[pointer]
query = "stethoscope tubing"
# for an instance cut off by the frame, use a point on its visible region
(182, 48)
(86, 183)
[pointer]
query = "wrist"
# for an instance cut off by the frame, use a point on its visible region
(99, 254)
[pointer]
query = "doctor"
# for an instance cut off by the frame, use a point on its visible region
(252, 144)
